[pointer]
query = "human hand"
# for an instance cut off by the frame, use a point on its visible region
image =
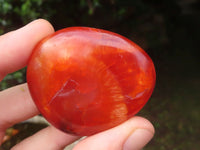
(16, 104)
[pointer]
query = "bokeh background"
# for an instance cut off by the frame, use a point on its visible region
(168, 30)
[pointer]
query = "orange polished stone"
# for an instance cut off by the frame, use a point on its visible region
(85, 80)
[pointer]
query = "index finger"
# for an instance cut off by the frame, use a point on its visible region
(16, 46)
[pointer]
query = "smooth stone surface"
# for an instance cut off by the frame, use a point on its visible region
(85, 80)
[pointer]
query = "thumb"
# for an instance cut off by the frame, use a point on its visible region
(134, 134)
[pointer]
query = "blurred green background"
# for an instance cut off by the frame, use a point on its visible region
(168, 30)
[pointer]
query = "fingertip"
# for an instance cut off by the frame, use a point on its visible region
(138, 139)
(143, 123)
(44, 24)
(17, 46)
(141, 135)
(132, 134)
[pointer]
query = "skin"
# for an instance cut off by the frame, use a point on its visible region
(15, 49)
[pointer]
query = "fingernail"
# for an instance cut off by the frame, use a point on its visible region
(138, 139)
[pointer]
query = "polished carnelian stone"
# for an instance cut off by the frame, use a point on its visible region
(85, 80)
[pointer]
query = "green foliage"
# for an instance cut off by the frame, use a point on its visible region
(17, 13)
(91, 4)
(6, 6)
(12, 79)
(27, 11)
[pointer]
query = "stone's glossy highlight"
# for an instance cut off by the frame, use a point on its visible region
(85, 80)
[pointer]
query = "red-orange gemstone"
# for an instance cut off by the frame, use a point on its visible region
(85, 80)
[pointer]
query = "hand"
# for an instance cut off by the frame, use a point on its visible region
(16, 104)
